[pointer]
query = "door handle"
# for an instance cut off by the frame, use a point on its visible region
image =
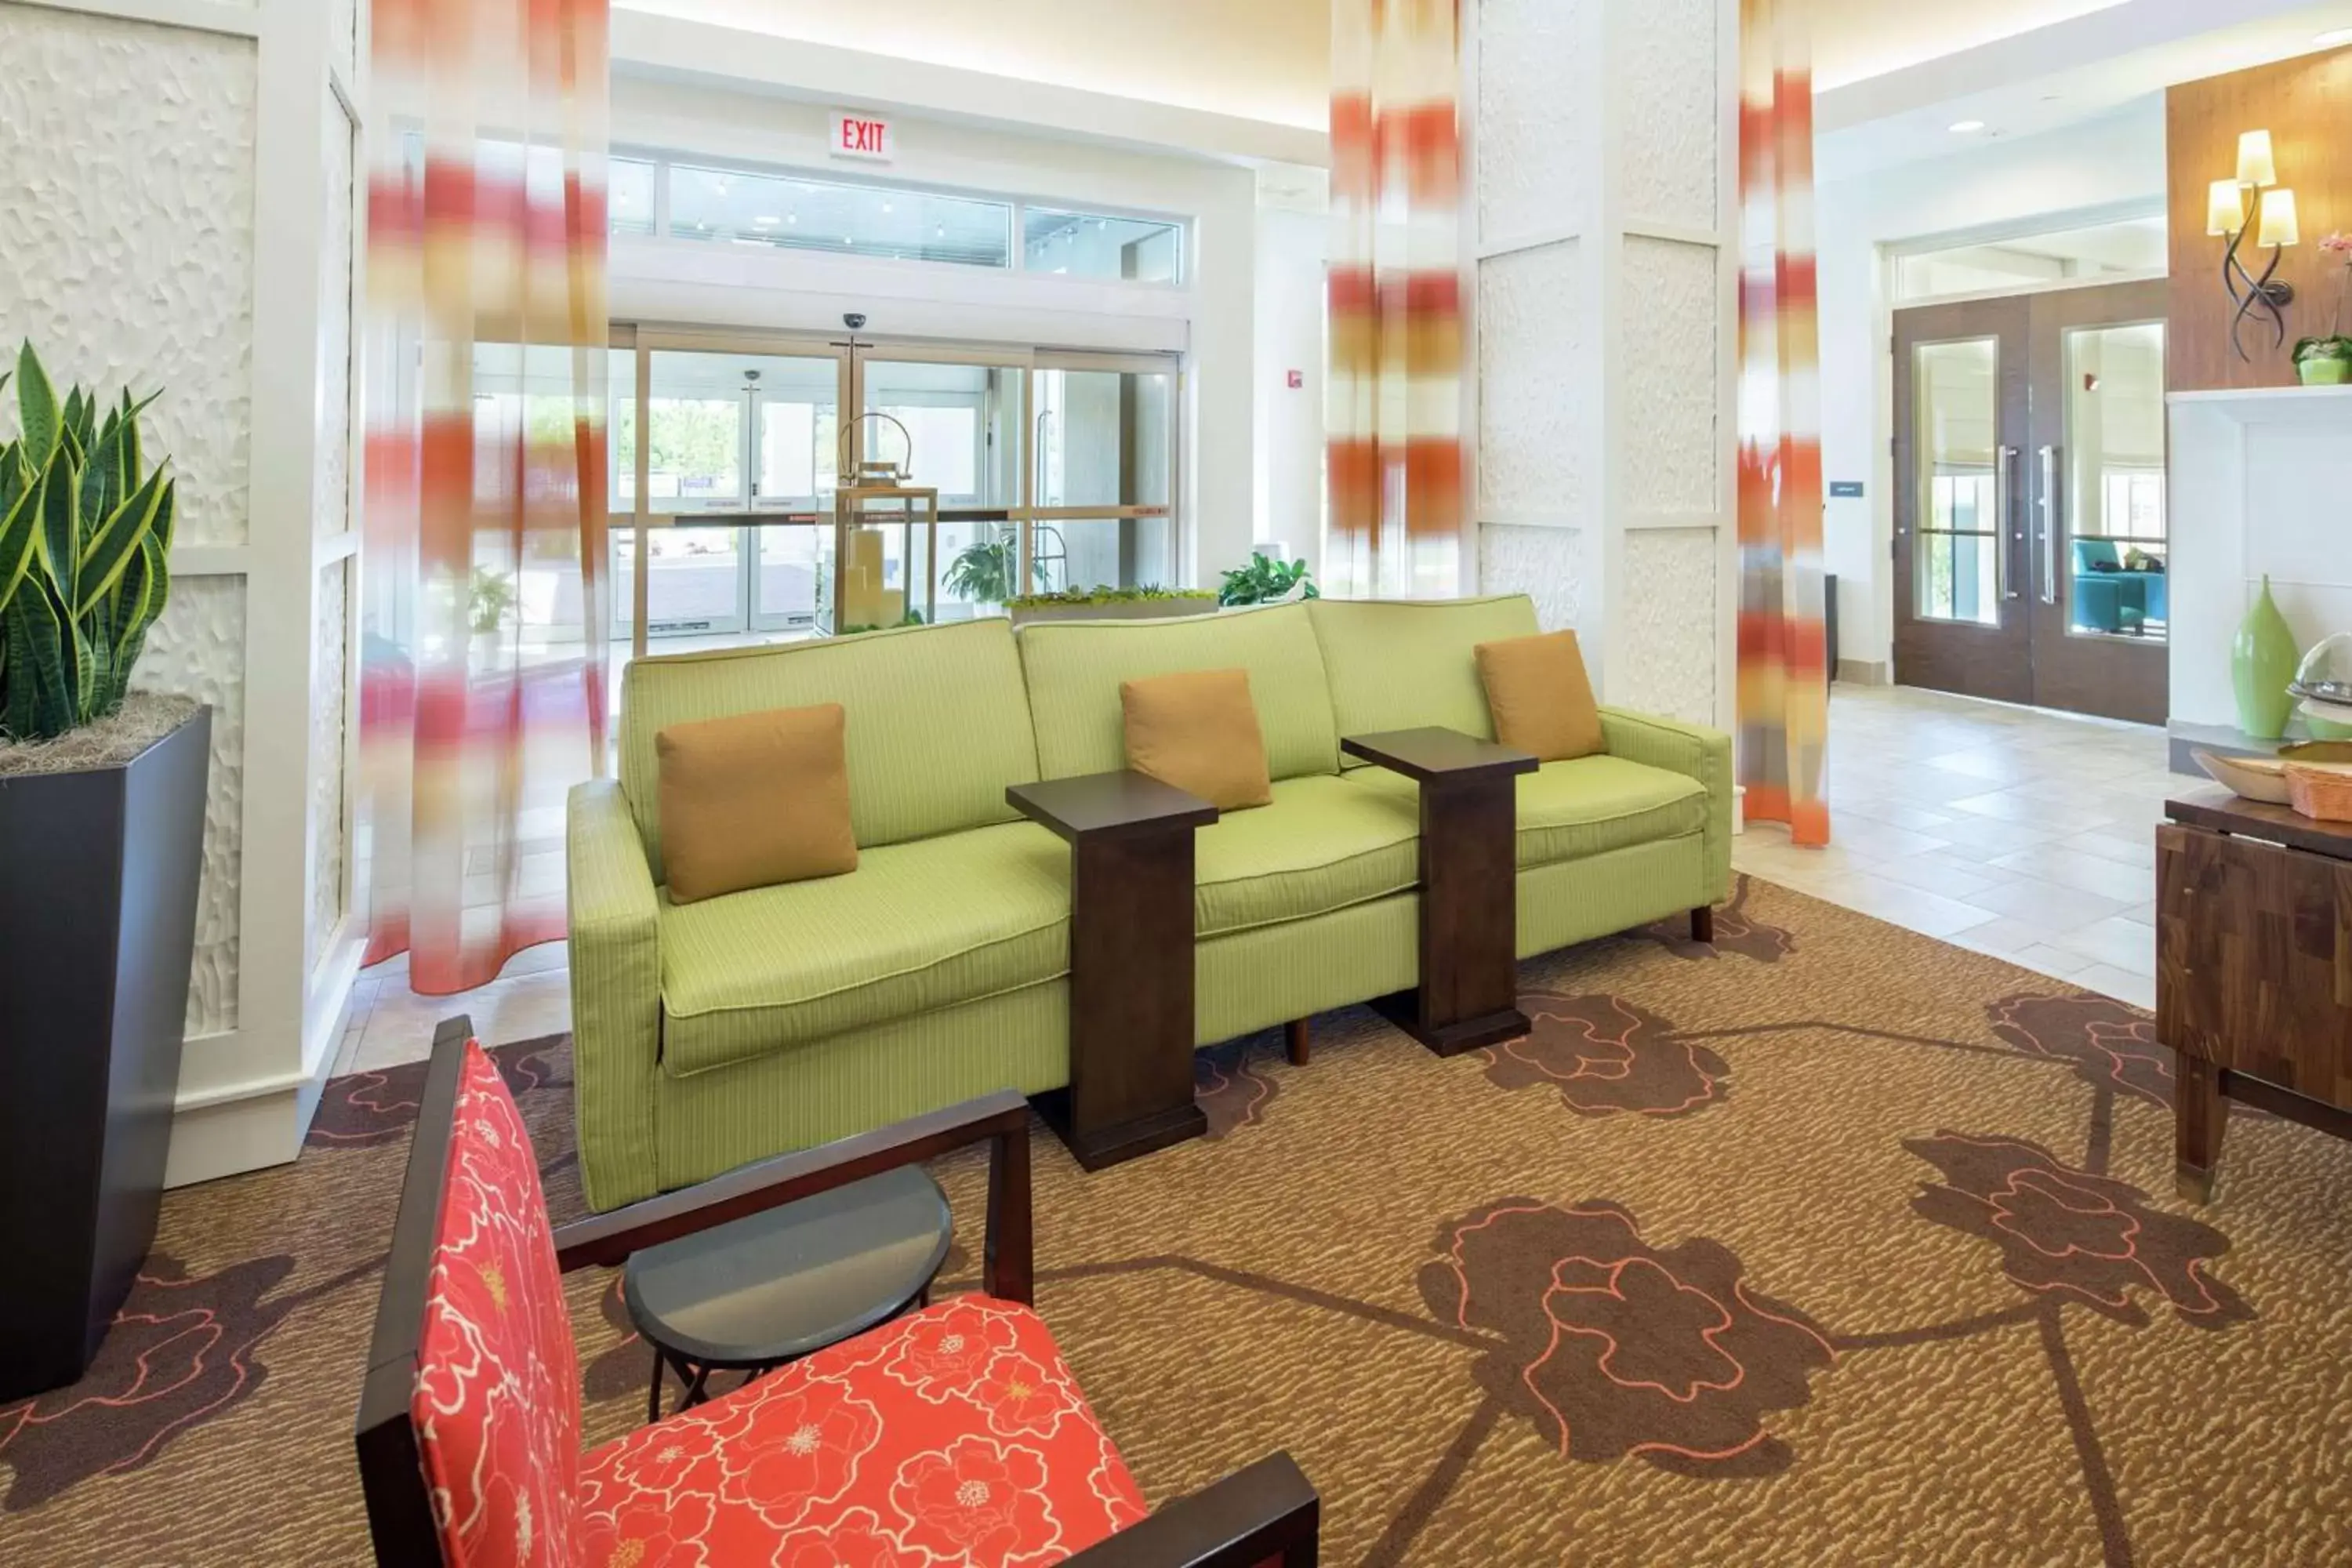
(2004, 468)
(2051, 519)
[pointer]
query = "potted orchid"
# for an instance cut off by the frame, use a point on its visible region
(2328, 361)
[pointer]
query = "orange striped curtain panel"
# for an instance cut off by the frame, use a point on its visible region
(1783, 684)
(484, 633)
(1395, 415)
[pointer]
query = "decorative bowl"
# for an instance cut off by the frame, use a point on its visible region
(2321, 753)
(2256, 778)
(2324, 794)
(2326, 673)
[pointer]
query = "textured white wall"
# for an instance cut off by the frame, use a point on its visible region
(126, 256)
(1602, 317)
(126, 237)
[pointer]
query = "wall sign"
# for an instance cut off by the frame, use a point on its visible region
(862, 136)
(1845, 489)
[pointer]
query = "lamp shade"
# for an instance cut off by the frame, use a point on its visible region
(2226, 211)
(2279, 223)
(2257, 165)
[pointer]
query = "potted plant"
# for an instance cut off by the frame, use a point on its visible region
(1104, 603)
(1266, 581)
(102, 838)
(2328, 361)
(985, 571)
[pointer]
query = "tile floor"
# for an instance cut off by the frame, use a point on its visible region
(2020, 833)
(2012, 831)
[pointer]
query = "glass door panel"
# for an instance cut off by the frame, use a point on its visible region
(795, 428)
(1104, 444)
(1957, 562)
(2113, 495)
(957, 427)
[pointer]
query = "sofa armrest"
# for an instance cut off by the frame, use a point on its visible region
(615, 961)
(1697, 753)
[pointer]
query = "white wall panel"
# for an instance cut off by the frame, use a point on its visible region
(333, 509)
(1672, 377)
(1671, 625)
(1545, 564)
(330, 719)
(1532, 176)
(1667, 67)
(126, 237)
(1534, 384)
(197, 649)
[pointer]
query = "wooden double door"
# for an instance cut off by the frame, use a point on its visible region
(2031, 512)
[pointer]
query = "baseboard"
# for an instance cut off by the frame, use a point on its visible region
(1865, 672)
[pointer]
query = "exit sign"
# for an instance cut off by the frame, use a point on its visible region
(862, 136)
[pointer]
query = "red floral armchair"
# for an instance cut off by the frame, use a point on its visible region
(955, 1435)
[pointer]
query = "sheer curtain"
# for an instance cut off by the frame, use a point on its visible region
(485, 638)
(1395, 414)
(1783, 681)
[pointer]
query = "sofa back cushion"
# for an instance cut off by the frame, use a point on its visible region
(1405, 664)
(938, 727)
(1075, 669)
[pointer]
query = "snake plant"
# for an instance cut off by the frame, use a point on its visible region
(85, 539)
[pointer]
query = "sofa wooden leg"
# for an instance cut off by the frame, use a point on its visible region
(1299, 1036)
(1702, 924)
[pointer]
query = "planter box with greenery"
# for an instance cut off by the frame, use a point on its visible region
(1107, 603)
(101, 837)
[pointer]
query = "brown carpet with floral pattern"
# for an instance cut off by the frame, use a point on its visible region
(1835, 1244)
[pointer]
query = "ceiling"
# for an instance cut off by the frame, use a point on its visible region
(1857, 38)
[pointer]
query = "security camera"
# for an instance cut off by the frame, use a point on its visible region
(854, 320)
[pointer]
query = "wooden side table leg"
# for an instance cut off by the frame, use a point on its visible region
(1131, 986)
(1468, 996)
(2200, 1115)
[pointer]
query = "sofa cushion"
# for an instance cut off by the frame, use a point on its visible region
(754, 800)
(1573, 810)
(938, 722)
(1198, 731)
(1321, 846)
(1540, 696)
(1401, 665)
(916, 927)
(1075, 669)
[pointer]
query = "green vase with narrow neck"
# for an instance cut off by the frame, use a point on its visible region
(2261, 664)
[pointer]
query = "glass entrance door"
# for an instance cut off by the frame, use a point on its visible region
(956, 423)
(1103, 499)
(2031, 526)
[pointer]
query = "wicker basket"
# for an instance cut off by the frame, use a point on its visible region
(2324, 794)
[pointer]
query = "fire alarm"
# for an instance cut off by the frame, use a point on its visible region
(1297, 380)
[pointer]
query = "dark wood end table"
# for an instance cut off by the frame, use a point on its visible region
(773, 1286)
(2253, 971)
(1469, 990)
(1131, 982)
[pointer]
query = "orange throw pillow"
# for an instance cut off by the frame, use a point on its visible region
(1540, 696)
(1198, 731)
(755, 800)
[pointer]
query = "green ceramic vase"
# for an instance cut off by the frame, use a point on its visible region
(2261, 664)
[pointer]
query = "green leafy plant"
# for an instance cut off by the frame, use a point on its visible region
(489, 597)
(2323, 348)
(1266, 581)
(985, 571)
(85, 550)
(1104, 593)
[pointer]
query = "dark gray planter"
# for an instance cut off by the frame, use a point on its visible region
(98, 919)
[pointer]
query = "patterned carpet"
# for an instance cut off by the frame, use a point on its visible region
(1834, 1246)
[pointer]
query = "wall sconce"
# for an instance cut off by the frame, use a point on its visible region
(2255, 203)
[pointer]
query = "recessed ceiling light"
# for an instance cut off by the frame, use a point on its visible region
(2334, 36)
(886, 207)
(1967, 127)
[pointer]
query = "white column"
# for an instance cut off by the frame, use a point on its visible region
(1602, 144)
(191, 204)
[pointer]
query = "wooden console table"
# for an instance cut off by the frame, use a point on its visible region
(1131, 977)
(2254, 974)
(1469, 990)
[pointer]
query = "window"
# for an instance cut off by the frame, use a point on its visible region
(633, 196)
(729, 206)
(1081, 245)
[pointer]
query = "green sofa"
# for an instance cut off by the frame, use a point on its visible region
(710, 1034)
